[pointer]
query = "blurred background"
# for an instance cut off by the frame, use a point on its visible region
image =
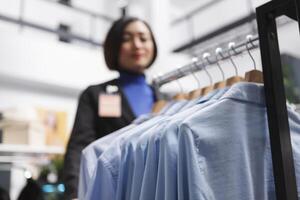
(50, 50)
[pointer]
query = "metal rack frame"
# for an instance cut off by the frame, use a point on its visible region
(200, 64)
(281, 148)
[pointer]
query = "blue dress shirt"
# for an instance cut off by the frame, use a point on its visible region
(216, 149)
(134, 155)
(109, 161)
(152, 185)
(224, 149)
(89, 157)
(115, 154)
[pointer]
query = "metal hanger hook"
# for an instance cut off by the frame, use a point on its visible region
(205, 56)
(249, 41)
(156, 79)
(194, 64)
(231, 46)
(178, 82)
(219, 52)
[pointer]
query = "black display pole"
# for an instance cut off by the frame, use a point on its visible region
(282, 155)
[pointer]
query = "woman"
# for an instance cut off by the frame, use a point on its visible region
(130, 49)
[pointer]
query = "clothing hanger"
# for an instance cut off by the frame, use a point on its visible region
(255, 75)
(197, 92)
(209, 88)
(159, 105)
(181, 95)
(162, 103)
(234, 79)
(220, 84)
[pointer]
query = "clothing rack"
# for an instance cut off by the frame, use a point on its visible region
(199, 64)
(280, 139)
(281, 148)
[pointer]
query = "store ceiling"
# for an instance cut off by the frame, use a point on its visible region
(186, 5)
(181, 8)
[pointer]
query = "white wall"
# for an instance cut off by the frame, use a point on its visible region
(36, 70)
(27, 54)
(38, 56)
(50, 14)
(50, 63)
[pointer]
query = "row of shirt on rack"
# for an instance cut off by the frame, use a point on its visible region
(214, 147)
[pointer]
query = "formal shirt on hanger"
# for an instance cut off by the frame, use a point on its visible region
(150, 145)
(167, 187)
(90, 154)
(103, 183)
(199, 146)
(131, 142)
(114, 153)
(125, 171)
(224, 150)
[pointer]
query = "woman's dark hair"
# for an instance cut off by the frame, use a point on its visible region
(113, 41)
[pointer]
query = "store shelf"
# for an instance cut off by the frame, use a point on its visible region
(9, 149)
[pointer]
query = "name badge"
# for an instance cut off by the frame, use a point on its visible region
(109, 104)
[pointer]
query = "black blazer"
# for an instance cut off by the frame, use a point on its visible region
(88, 127)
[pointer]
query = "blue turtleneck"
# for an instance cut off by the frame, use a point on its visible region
(138, 93)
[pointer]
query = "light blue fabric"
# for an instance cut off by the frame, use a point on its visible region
(135, 169)
(219, 150)
(143, 118)
(224, 149)
(131, 143)
(147, 187)
(175, 107)
(128, 166)
(166, 107)
(164, 151)
(90, 154)
(89, 157)
(110, 160)
(126, 169)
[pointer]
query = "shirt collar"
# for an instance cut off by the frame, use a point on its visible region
(214, 95)
(250, 92)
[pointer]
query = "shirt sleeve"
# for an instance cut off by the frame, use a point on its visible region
(83, 133)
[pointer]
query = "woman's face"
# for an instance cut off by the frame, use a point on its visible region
(137, 48)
